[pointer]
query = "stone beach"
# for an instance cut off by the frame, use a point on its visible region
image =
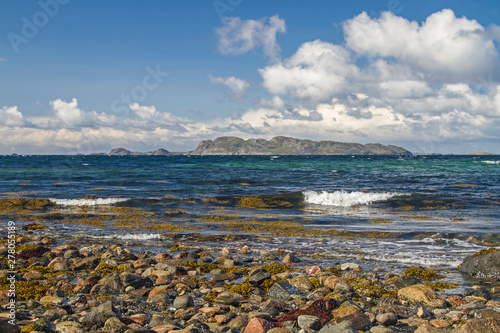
(111, 286)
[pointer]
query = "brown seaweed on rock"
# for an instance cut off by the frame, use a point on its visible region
(321, 308)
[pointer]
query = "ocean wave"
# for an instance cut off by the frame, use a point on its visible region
(87, 202)
(491, 162)
(132, 236)
(346, 199)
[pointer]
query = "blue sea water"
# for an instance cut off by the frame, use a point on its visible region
(441, 208)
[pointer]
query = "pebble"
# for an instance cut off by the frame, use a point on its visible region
(110, 288)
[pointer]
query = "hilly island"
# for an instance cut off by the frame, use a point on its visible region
(280, 145)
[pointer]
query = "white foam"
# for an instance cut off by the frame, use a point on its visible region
(491, 162)
(131, 236)
(87, 202)
(346, 199)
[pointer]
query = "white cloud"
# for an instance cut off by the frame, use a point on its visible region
(318, 71)
(237, 36)
(237, 86)
(452, 47)
(12, 117)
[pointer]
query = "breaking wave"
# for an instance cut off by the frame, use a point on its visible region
(345, 199)
(88, 202)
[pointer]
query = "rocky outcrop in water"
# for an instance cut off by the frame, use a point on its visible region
(486, 265)
(281, 145)
(126, 152)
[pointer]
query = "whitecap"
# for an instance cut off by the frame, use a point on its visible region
(346, 199)
(87, 202)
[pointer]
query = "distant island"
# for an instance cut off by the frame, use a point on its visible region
(125, 152)
(281, 145)
(484, 153)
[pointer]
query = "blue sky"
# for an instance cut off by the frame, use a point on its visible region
(88, 76)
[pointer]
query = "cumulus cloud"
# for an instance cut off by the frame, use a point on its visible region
(237, 86)
(238, 36)
(318, 70)
(12, 117)
(456, 48)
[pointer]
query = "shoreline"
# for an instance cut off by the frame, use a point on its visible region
(191, 284)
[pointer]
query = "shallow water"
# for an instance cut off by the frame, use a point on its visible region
(437, 209)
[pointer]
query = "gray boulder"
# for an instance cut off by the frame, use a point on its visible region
(282, 291)
(101, 314)
(485, 265)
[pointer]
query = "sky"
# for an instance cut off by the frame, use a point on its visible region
(86, 76)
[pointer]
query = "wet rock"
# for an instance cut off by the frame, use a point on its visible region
(33, 275)
(53, 314)
(387, 319)
(344, 311)
(100, 314)
(127, 257)
(54, 300)
(348, 265)
(290, 258)
(184, 301)
(238, 323)
(226, 300)
(243, 250)
(220, 277)
(331, 282)
(405, 281)
(6, 326)
(420, 311)
(143, 263)
(302, 283)
(429, 328)
(86, 263)
(343, 327)
(78, 298)
(313, 270)
(71, 254)
(358, 321)
(307, 321)
(381, 329)
(490, 325)
(485, 265)
(483, 293)
(44, 325)
(482, 314)
(258, 275)
(282, 291)
(159, 298)
(387, 301)
(267, 256)
(258, 325)
(69, 327)
(420, 293)
(135, 280)
(114, 325)
(343, 286)
(140, 331)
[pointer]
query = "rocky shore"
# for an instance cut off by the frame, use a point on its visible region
(109, 286)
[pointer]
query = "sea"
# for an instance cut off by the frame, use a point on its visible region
(438, 209)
